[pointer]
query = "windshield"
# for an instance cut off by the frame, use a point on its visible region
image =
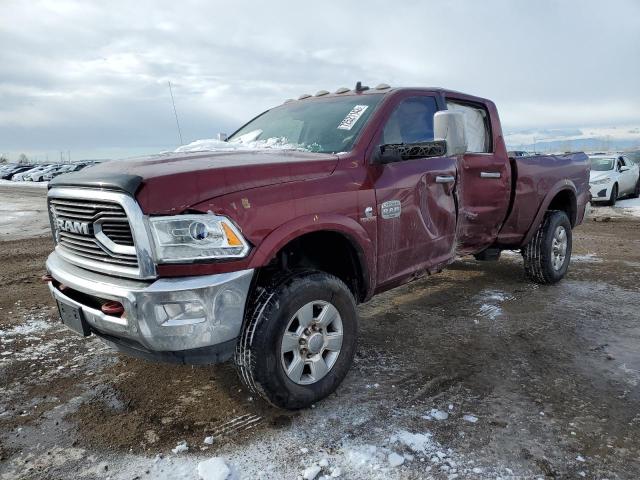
(602, 164)
(325, 125)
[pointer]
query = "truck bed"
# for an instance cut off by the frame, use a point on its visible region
(533, 178)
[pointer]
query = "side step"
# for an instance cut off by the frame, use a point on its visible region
(488, 255)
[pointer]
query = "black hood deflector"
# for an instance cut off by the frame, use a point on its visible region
(122, 182)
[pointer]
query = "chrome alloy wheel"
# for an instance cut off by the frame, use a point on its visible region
(311, 343)
(559, 245)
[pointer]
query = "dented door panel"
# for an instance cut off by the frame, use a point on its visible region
(420, 235)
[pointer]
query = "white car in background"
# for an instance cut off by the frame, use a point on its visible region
(39, 175)
(25, 176)
(613, 176)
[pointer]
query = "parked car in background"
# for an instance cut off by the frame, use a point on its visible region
(22, 176)
(612, 177)
(8, 171)
(74, 167)
(517, 153)
(38, 176)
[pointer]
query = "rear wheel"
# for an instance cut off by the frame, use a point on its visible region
(614, 196)
(547, 255)
(299, 339)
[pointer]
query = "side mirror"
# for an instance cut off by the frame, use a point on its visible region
(222, 137)
(624, 169)
(383, 155)
(449, 126)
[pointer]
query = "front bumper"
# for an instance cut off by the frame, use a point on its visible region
(168, 318)
(601, 192)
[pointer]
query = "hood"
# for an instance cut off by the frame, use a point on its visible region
(171, 183)
(594, 175)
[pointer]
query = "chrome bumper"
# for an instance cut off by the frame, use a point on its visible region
(165, 315)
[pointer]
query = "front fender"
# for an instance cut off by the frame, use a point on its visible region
(350, 228)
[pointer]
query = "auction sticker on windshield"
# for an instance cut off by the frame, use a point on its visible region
(352, 117)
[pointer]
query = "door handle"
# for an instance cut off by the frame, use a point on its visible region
(490, 174)
(445, 179)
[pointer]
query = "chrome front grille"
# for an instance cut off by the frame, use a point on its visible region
(94, 230)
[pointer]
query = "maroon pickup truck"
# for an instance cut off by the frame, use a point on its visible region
(259, 248)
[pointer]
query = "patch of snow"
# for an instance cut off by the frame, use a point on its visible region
(361, 456)
(208, 440)
(213, 469)
(418, 442)
(311, 472)
(245, 142)
(438, 414)
(587, 258)
(491, 303)
(25, 184)
(33, 325)
(181, 447)
(395, 460)
(470, 418)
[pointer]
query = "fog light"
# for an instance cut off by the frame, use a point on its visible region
(177, 313)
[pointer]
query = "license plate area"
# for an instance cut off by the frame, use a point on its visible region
(73, 318)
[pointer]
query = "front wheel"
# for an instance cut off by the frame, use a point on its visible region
(547, 255)
(614, 196)
(299, 339)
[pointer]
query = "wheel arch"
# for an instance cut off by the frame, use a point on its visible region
(563, 196)
(349, 253)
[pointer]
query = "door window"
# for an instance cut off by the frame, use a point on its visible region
(411, 121)
(476, 123)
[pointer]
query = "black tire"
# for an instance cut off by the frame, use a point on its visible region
(539, 252)
(636, 192)
(258, 354)
(614, 196)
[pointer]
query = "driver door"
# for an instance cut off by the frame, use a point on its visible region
(416, 203)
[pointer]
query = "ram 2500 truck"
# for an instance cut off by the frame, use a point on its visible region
(259, 248)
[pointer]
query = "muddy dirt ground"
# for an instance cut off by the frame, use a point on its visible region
(534, 382)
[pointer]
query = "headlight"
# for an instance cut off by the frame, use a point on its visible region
(195, 237)
(602, 181)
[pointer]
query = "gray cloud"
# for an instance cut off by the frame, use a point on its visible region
(92, 76)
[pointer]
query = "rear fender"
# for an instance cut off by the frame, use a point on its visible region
(561, 185)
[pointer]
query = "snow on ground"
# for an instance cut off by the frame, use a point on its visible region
(623, 208)
(490, 303)
(629, 206)
(586, 258)
(24, 184)
(23, 211)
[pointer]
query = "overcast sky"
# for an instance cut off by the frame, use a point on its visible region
(91, 77)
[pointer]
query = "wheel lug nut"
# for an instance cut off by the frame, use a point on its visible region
(302, 341)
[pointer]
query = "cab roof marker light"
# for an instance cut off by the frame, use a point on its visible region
(382, 86)
(303, 96)
(342, 90)
(320, 93)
